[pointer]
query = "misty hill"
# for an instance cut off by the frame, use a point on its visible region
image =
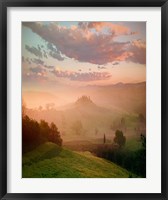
(83, 118)
(98, 110)
(51, 161)
(120, 97)
(124, 97)
(84, 101)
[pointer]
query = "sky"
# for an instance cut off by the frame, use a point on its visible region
(57, 55)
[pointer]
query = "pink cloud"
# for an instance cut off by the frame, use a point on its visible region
(37, 69)
(85, 45)
(138, 51)
(77, 76)
(114, 29)
(34, 77)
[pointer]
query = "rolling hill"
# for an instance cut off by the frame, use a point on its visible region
(51, 161)
(91, 119)
(84, 110)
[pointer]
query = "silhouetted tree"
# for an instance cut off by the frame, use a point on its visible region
(34, 133)
(30, 133)
(55, 135)
(119, 138)
(45, 130)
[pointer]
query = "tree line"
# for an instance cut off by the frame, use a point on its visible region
(35, 133)
(134, 161)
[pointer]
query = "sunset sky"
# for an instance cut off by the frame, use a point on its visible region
(57, 55)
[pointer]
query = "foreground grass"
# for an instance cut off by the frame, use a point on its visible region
(50, 161)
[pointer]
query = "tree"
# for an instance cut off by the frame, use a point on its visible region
(55, 135)
(119, 138)
(45, 130)
(30, 133)
(143, 141)
(34, 133)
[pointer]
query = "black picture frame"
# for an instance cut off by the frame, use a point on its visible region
(3, 95)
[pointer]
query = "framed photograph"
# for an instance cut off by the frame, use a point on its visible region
(83, 99)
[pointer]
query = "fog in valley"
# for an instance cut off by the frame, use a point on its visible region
(93, 111)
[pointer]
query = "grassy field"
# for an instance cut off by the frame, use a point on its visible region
(51, 161)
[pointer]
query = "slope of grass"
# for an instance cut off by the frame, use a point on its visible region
(51, 161)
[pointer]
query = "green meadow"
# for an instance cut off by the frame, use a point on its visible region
(51, 161)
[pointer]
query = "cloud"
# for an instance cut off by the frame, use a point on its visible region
(138, 49)
(51, 47)
(37, 69)
(76, 76)
(34, 77)
(89, 42)
(34, 51)
(54, 52)
(39, 48)
(99, 67)
(39, 53)
(116, 63)
(28, 60)
(45, 54)
(35, 74)
(37, 61)
(49, 66)
(56, 56)
(111, 28)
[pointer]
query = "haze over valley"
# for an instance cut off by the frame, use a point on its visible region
(97, 113)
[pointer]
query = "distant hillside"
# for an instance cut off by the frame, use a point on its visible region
(84, 101)
(98, 110)
(50, 161)
(120, 97)
(125, 97)
(83, 111)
